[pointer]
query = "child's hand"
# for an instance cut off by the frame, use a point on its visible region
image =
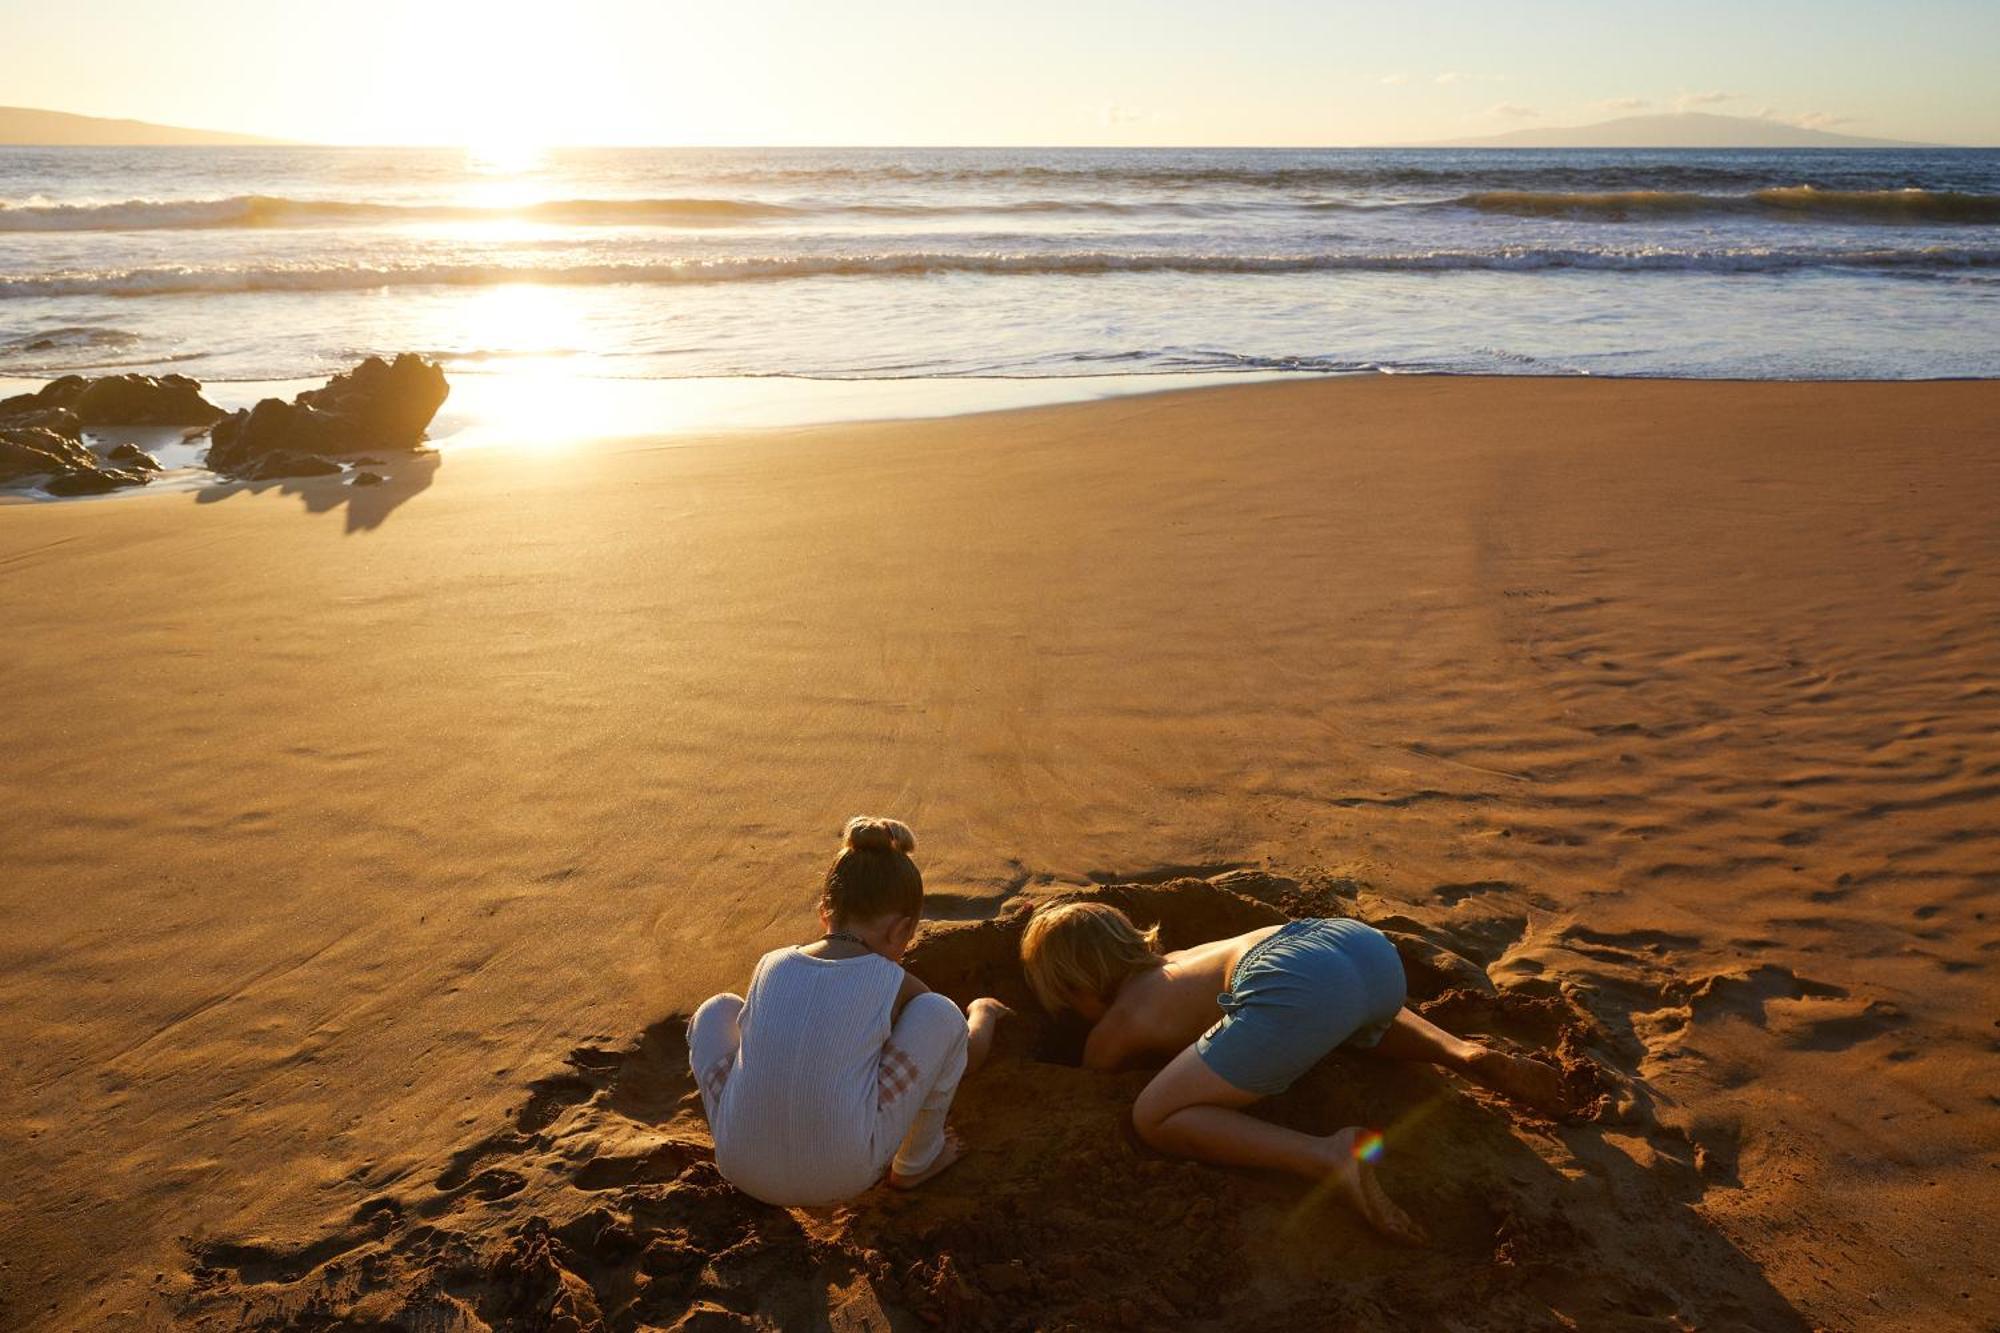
(992, 1008)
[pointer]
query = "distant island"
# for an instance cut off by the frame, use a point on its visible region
(22, 126)
(1686, 129)
(31, 127)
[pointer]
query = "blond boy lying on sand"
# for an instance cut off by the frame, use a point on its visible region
(1243, 1019)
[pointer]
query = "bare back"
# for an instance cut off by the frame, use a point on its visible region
(1163, 1009)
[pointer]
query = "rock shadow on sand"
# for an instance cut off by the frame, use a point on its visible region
(596, 1203)
(367, 505)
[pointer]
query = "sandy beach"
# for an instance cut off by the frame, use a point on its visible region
(366, 850)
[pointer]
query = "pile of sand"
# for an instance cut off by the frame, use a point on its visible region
(598, 1206)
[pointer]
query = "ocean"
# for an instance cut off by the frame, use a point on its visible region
(253, 264)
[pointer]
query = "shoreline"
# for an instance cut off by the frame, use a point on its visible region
(559, 410)
(1671, 696)
(507, 409)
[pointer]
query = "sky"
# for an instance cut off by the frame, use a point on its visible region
(504, 73)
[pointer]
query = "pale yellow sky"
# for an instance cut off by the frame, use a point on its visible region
(1032, 72)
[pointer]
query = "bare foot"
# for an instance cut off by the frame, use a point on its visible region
(1354, 1176)
(954, 1148)
(1530, 1082)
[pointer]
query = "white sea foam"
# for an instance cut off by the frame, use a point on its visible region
(333, 277)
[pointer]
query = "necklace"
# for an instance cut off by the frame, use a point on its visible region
(833, 935)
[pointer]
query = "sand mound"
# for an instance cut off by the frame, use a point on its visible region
(597, 1205)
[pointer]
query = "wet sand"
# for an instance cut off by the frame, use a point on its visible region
(364, 848)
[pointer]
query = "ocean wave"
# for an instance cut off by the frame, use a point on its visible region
(1791, 201)
(1454, 173)
(69, 338)
(169, 281)
(258, 210)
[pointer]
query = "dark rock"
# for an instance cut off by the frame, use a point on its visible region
(120, 400)
(44, 441)
(27, 451)
(377, 405)
(92, 481)
(367, 479)
(284, 464)
(59, 420)
(392, 401)
(141, 400)
(367, 460)
(59, 393)
(244, 435)
(132, 456)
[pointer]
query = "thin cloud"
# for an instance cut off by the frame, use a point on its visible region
(1393, 80)
(1512, 111)
(1625, 104)
(1809, 120)
(1450, 76)
(1113, 114)
(1686, 100)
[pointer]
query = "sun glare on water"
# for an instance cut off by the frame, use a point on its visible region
(533, 386)
(505, 156)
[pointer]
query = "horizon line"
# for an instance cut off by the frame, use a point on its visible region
(1446, 145)
(1478, 141)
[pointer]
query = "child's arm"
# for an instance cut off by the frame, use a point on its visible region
(911, 989)
(982, 1016)
(1113, 1043)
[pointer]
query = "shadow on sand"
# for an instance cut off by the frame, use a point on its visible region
(597, 1204)
(368, 507)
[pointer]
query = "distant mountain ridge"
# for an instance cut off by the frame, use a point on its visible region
(22, 126)
(1683, 129)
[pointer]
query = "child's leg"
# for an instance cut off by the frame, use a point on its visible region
(1189, 1110)
(715, 1035)
(921, 1067)
(1411, 1037)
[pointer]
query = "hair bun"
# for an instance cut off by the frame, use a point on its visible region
(870, 833)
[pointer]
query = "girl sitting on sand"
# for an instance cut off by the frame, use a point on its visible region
(1247, 1017)
(839, 1064)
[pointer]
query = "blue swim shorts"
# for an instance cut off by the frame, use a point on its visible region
(1296, 994)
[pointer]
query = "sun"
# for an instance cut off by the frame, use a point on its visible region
(484, 74)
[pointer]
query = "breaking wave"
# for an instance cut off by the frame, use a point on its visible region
(1803, 202)
(1793, 202)
(259, 210)
(251, 211)
(359, 277)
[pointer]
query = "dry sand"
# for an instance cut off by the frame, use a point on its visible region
(362, 854)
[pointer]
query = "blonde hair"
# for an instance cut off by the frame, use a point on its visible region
(1088, 947)
(872, 833)
(873, 876)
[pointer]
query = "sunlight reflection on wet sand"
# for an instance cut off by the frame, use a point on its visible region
(546, 407)
(541, 404)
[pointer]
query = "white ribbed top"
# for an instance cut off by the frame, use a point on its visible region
(798, 1112)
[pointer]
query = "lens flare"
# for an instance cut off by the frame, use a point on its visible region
(1368, 1146)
